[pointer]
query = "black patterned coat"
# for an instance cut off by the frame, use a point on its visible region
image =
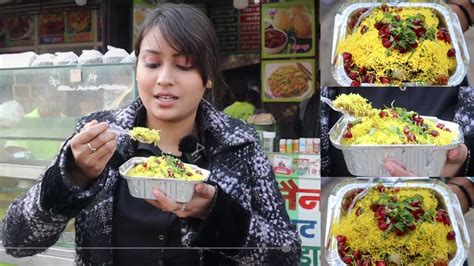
(248, 211)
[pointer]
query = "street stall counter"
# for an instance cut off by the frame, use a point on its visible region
(39, 108)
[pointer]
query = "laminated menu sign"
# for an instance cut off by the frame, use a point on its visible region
(288, 29)
(287, 81)
(51, 28)
(19, 31)
(295, 165)
(250, 29)
(302, 201)
(238, 31)
(78, 26)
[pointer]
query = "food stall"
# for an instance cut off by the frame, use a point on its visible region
(53, 98)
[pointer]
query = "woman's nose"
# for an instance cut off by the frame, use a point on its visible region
(165, 76)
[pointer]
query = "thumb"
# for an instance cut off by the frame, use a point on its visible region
(205, 191)
(457, 155)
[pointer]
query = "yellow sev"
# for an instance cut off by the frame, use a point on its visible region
(426, 245)
(375, 130)
(353, 103)
(425, 64)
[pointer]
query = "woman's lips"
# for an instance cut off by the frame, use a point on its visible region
(166, 100)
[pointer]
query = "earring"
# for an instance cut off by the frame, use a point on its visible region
(209, 84)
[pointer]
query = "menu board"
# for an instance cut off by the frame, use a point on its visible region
(238, 31)
(19, 31)
(287, 80)
(78, 26)
(51, 28)
(288, 29)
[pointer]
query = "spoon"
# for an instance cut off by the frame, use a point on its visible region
(152, 137)
(331, 104)
(361, 194)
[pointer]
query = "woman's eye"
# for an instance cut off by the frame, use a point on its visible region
(152, 65)
(185, 68)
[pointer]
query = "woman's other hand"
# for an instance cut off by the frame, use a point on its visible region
(454, 162)
(92, 148)
(198, 207)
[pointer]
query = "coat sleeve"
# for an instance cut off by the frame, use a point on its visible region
(261, 234)
(35, 221)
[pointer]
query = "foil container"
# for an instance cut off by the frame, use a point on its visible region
(141, 187)
(447, 18)
(420, 159)
(448, 200)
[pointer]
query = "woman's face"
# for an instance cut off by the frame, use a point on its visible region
(169, 86)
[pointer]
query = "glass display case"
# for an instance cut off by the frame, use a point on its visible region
(39, 108)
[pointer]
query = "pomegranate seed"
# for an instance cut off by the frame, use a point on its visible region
(411, 137)
(358, 262)
(434, 133)
(403, 50)
(394, 198)
(346, 56)
(341, 240)
(386, 43)
(382, 114)
(362, 70)
(355, 83)
(399, 232)
(347, 260)
(440, 125)
(397, 18)
(378, 25)
(349, 125)
(384, 8)
(358, 211)
(451, 235)
(357, 254)
(447, 129)
(380, 188)
(414, 45)
(364, 29)
(367, 262)
(416, 22)
(439, 218)
(353, 75)
(415, 203)
(380, 263)
(374, 206)
(384, 80)
(348, 135)
(412, 227)
(451, 52)
(382, 225)
(446, 220)
(396, 189)
(406, 130)
(364, 79)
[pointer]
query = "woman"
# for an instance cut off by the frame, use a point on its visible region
(240, 207)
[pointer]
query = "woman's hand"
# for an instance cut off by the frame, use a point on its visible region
(92, 148)
(455, 160)
(198, 207)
